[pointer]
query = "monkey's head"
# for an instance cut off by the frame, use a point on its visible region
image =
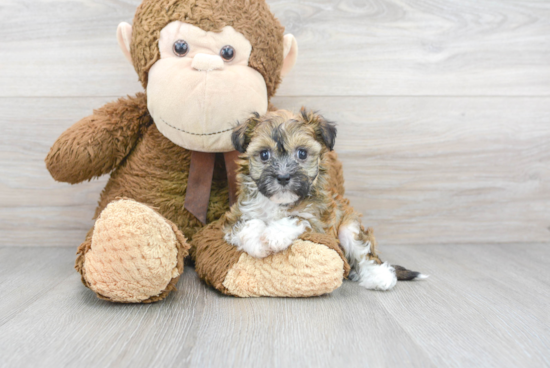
(206, 65)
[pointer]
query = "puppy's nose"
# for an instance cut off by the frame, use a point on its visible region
(206, 63)
(283, 179)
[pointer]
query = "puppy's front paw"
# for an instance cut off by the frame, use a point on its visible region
(280, 234)
(249, 238)
(260, 251)
(259, 239)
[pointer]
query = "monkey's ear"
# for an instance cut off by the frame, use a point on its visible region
(324, 129)
(124, 38)
(290, 54)
(242, 134)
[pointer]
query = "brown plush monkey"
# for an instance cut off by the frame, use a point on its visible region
(205, 66)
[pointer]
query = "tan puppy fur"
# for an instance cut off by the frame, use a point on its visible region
(284, 192)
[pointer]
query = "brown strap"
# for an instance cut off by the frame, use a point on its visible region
(231, 168)
(199, 184)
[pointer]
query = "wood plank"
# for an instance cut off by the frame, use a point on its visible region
(350, 47)
(70, 326)
(200, 327)
(479, 308)
(422, 170)
(27, 274)
(34, 209)
(64, 48)
(491, 305)
(347, 328)
(430, 47)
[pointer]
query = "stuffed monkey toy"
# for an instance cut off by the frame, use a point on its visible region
(205, 65)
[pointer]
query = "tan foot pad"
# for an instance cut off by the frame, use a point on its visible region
(304, 269)
(133, 255)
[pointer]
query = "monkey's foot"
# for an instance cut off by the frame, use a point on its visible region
(134, 255)
(313, 265)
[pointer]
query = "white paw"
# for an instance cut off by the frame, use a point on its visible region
(280, 234)
(247, 236)
(259, 239)
(376, 277)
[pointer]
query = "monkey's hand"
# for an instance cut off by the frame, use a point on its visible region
(98, 143)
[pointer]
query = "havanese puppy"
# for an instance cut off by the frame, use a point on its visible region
(286, 190)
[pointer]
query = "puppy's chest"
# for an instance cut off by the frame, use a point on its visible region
(261, 208)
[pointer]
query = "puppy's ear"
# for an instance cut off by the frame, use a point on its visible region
(324, 129)
(242, 134)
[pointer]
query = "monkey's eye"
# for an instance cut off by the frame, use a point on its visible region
(302, 154)
(227, 53)
(181, 48)
(265, 155)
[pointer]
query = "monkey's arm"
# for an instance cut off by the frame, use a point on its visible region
(98, 143)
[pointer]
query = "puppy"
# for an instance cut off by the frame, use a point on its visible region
(286, 190)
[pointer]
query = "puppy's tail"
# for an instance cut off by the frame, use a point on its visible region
(407, 275)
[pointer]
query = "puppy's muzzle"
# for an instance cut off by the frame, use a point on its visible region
(283, 180)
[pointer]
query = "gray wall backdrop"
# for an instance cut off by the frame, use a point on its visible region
(443, 108)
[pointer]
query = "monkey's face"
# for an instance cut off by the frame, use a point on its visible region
(284, 152)
(202, 86)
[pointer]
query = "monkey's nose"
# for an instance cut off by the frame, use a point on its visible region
(206, 63)
(283, 179)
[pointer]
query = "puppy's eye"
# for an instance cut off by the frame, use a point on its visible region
(227, 53)
(181, 48)
(265, 155)
(302, 154)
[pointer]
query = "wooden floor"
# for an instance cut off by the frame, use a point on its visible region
(483, 306)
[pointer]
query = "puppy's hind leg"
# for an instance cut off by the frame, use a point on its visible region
(360, 251)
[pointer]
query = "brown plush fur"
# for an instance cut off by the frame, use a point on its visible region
(252, 18)
(145, 165)
(121, 138)
(213, 256)
(151, 170)
(97, 144)
(183, 251)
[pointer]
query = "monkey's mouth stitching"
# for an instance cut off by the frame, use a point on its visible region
(181, 130)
